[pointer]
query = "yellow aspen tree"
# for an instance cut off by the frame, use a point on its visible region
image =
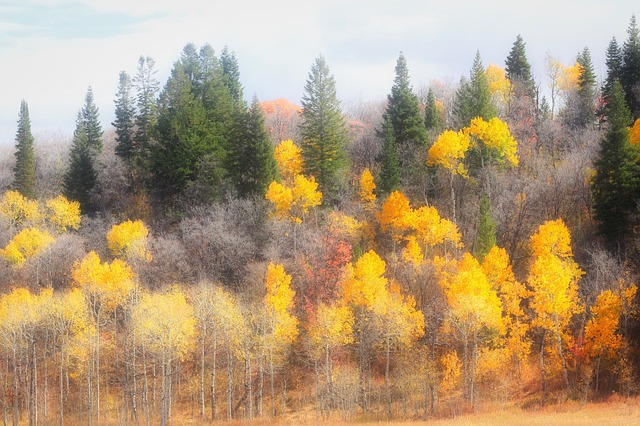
(494, 140)
(305, 196)
(553, 280)
(26, 244)
(105, 286)
(128, 240)
(165, 324)
(344, 226)
(430, 229)
(568, 81)
(499, 85)
(473, 307)
(367, 186)
(18, 210)
(63, 214)
(289, 160)
(451, 376)
(282, 199)
(363, 283)
(393, 214)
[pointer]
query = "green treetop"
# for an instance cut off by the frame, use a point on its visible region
(24, 172)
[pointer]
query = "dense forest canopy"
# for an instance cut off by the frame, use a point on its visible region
(420, 256)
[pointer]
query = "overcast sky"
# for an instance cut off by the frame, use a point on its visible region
(52, 50)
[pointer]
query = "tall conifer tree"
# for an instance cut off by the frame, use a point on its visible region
(518, 68)
(390, 174)
(630, 72)
(91, 121)
(324, 131)
(24, 172)
(80, 178)
(614, 66)
(473, 98)
(125, 119)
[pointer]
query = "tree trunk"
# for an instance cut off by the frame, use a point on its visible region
(202, 340)
(213, 377)
(387, 383)
(146, 387)
(273, 393)
(542, 367)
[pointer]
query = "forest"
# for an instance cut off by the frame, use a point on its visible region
(443, 251)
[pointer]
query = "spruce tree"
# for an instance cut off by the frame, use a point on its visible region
(616, 182)
(147, 88)
(324, 131)
(586, 89)
(486, 237)
(432, 120)
(124, 122)
(630, 71)
(231, 73)
(473, 98)
(252, 165)
(614, 66)
(91, 121)
(24, 172)
(403, 109)
(389, 178)
(80, 178)
(518, 68)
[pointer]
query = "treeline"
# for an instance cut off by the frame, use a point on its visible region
(414, 258)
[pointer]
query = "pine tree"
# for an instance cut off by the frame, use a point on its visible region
(586, 88)
(486, 237)
(24, 172)
(80, 178)
(91, 121)
(432, 119)
(614, 66)
(630, 71)
(324, 131)
(124, 122)
(518, 68)
(616, 182)
(147, 87)
(473, 98)
(390, 175)
(403, 109)
(252, 166)
(231, 73)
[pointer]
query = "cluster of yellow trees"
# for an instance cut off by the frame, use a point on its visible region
(109, 346)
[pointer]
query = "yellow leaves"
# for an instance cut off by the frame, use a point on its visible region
(495, 136)
(634, 135)
(367, 186)
(103, 283)
(333, 325)
(412, 253)
(398, 318)
(553, 237)
(17, 209)
(282, 199)
(393, 212)
(26, 244)
(63, 214)
(279, 301)
(449, 151)
(451, 372)
(600, 334)
(344, 225)
(430, 229)
(129, 240)
(22, 309)
(365, 283)
(305, 194)
(499, 84)
(289, 159)
(164, 322)
(292, 203)
(569, 78)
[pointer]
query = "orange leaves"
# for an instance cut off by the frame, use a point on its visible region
(553, 237)
(449, 151)
(129, 240)
(600, 334)
(27, 243)
(634, 135)
(393, 212)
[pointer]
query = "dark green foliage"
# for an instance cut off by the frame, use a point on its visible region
(586, 89)
(616, 182)
(324, 131)
(124, 122)
(544, 112)
(518, 68)
(147, 87)
(251, 164)
(389, 178)
(80, 178)
(432, 120)
(91, 121)
(614, 66)
(24, 172)
(403, 108)
(231, 73)
(473, 98)
(486, 237)
(630, 71)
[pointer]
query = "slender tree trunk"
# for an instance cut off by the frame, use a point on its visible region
(387, 381)
(98, 369)
(273, 392)
(15, 383)
(564, 361)
(61, 386)
(202, 397)
(163, 395)
(261, 391)
(213, 377)
(542, 366)
(230, 384)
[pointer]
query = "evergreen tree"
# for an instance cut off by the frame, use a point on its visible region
(147, 87)
(390, 174)
(80, 178)
(124, 122)
(630, 71)
(616, 182)
(432, 119)
(586, 89)
(486, 237)
(231, 73)
(252, 165)
(518, 68)
(473, 98)
(614, 66)
(403, 109)
(324, 131)
(91, 121)
(24, 172)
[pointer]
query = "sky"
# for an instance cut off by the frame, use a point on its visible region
(51, 51)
